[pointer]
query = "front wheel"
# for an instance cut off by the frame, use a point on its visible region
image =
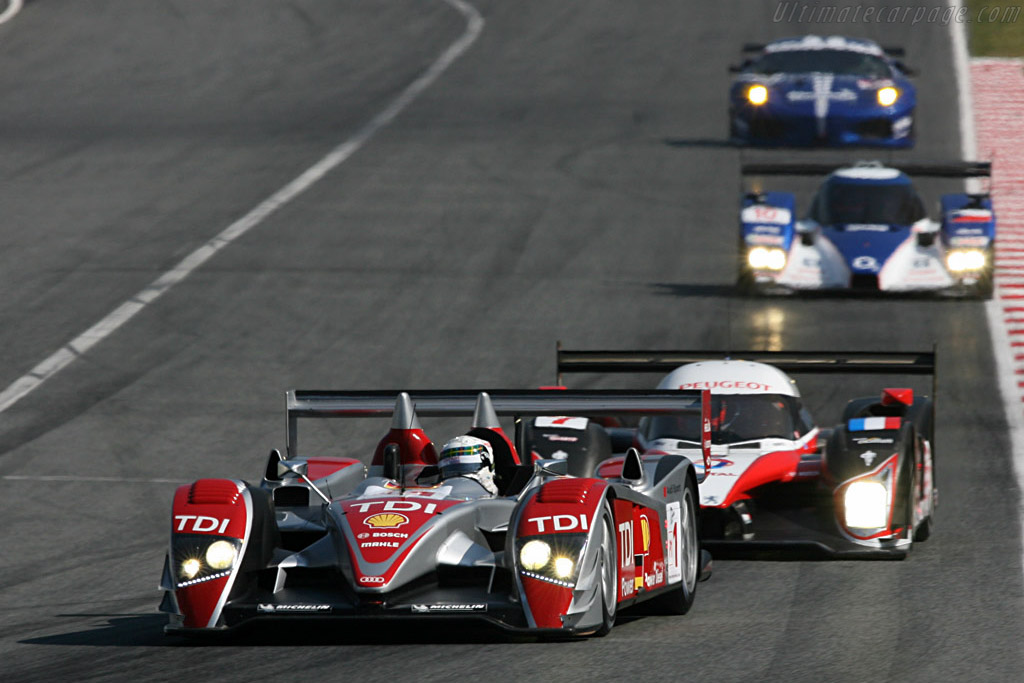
(607, 571)
(680, 599)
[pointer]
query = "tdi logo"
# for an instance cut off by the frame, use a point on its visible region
(559, 523)
(201, 524)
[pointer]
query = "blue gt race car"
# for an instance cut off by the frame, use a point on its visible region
(867, 230)
(829, 91)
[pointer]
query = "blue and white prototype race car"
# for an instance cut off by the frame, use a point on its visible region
(815, 90)
(867, 230)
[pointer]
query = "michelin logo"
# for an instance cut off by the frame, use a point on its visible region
(267, 607)
(455, 607)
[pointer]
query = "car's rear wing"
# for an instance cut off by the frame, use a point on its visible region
(891, 50)
(515, 403)
(791, 362)
(946, 169)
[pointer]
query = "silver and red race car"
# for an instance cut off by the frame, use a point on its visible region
(777, 482)
(528, 548)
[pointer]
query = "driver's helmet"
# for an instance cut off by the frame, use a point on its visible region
(469, 457)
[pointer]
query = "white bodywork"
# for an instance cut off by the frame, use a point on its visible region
(730, 377)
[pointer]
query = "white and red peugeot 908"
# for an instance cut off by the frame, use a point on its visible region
(778, 483)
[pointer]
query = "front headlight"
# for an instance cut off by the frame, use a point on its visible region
(564, 567)
(960, 260)
(887, 95)
(763, 258)
(201, 558)
(867, 505)
(534, 555)
(553, 558)
(220, 555)
(757, 95)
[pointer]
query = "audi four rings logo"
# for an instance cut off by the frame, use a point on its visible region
(371, 580)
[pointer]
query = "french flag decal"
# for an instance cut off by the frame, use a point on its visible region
(873, 424)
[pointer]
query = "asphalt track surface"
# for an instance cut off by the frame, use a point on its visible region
(565, 179)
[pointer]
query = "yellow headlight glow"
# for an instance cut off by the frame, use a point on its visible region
(887, 95)
(563, 567)
(757, 94)
(534, 555)
(220, 555)
(961, 260)
(190, 567)
(763, 258)
(866, 504)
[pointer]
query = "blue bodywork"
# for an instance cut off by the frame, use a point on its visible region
(827, 95)
(863, 216)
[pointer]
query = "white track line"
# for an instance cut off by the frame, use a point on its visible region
(109, 480)
(13, 7)
(1008, 362)
(126, 311)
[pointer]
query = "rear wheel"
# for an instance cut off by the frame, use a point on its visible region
(607, 573)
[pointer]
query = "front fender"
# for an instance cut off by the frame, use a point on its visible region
(562, 512)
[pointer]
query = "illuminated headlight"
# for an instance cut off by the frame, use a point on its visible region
(190, 567)
(534, 555)
(554, 558)
(564, 567)
(961, 260)
(200, 557)
(220, 555)
(867, 505)
(763, 258)
(757, 95)
(887, 96)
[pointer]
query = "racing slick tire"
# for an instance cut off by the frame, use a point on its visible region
(608, 571)
(986, 286)
(680, 599)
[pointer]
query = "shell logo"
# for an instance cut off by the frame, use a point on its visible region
(386, 520)
(645, 532)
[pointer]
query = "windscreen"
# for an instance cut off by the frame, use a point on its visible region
(734, 418)
(839, 62)
(839, 203)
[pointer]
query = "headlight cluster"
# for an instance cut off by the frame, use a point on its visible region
(867, 505)
(199, 558)
(763, 258)
(867, 502)
(888, 95)
(961, 260)
(757, 95)
(552, 558)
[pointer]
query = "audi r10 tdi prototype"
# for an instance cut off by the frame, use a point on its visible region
(817, 90)
(778, 483)
(867, 230)
(527, 548)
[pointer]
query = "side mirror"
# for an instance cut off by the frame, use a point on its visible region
(392, 462)
(807, 230)
(926, 230)
(632, 466)
(907, 71)
(293, 468)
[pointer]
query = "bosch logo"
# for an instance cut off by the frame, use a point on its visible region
(371, 580)
(363, 535)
